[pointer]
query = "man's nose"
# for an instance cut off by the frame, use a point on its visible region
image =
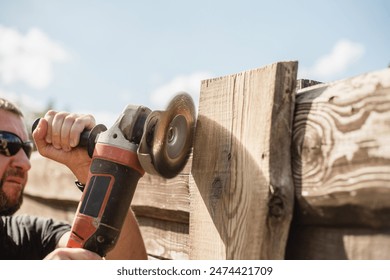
(21, 160)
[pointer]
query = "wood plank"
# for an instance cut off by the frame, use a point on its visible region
(331, 243)
(304, 83)
(166, 199)
(241, 190)
(165, 239)
(50, 179)
(50, 208)
(341, 152)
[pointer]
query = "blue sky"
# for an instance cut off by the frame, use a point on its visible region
(98, 56)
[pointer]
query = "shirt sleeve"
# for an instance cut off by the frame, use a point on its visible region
(28, 237)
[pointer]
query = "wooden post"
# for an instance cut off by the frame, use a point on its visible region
(304, 83)
(341, 151)
(341, 168)
(241, 192)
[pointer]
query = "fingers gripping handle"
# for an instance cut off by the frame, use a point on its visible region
(87, 137)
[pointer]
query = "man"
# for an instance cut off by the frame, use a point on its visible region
(56, 137)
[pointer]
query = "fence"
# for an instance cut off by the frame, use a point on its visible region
(276, 173)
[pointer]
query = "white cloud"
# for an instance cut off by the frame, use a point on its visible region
(343, 55)
(161, 96)
(27, 103)
(28, 58)
(103, 117)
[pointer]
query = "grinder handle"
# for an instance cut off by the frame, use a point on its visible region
(111, 184)
(87, 137)
(84, 136)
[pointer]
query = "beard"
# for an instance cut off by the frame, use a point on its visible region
(6, 206)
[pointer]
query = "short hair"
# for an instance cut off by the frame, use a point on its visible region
(10, 107)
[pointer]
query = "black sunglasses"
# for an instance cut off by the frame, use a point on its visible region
(11, 143)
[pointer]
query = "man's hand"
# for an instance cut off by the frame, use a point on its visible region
(57, 136)
(72, 254)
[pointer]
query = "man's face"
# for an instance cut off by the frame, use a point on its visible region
(13, 169)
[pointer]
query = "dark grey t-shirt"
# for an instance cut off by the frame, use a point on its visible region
(29, 238)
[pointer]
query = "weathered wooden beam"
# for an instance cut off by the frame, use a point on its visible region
(162, 208)
(341, 152)
(304, 83)
(52, 180)
(338, 243)
(164, 199)
(164, 239)
(241, 190)
(62, 210)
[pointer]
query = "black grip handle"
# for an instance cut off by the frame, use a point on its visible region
(84, 136)
(87, 137)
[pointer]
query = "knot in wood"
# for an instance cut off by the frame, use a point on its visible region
(215, 194)
(276, 206)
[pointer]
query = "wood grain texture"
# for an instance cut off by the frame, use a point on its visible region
(50, 179)
(304, 83)
(341, 152)
(338, 243)
(165, 199)
(162, 208)
(241, 191)
(165, 239)
(61, 210)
